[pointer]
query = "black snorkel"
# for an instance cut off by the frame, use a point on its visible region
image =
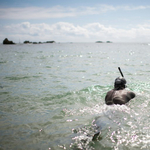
(120, 72)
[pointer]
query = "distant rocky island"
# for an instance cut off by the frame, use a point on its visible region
(28, 42)
(6, 41)
(103, 42)
(108, 42)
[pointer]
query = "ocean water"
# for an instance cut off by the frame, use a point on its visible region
(52, 96)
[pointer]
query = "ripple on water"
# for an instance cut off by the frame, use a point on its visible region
(119, 127)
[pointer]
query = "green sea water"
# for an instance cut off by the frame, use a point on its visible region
(52, 96)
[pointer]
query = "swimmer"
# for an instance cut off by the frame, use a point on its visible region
(119, 95)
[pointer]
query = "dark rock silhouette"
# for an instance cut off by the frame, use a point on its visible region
(6, 41)
(108, 42)
(27, 42)
(34, 42)
(99, 41)
(50, 42)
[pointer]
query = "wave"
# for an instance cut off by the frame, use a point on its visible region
(117, 126)
(20, 77)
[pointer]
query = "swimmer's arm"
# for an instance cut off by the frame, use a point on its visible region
(108, 98)
(107, 95)
(132, 95)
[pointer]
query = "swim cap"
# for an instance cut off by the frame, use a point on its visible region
(120, 80)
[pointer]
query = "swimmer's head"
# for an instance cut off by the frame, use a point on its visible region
(120, 83)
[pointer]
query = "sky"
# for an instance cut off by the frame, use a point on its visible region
(75, 20)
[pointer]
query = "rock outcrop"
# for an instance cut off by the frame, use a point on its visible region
(99, 41)
(6, 41)
(27, 42)
(50, 41)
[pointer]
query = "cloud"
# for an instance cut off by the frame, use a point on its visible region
(60, 29)
(60, 12)
(36, 13)
(65, 32)
(135, 7)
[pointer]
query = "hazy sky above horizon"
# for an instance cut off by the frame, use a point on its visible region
(75, 21)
